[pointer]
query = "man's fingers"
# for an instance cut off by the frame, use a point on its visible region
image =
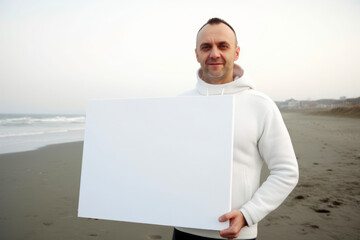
(233, 228)
(229, 233)
(223, 218)
(236, 223)
(226, 216)
(232, 231)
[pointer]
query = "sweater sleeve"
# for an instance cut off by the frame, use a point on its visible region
(276, 149)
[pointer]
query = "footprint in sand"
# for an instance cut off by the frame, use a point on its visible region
(299, 197)
(335, 204)
(309, 225)
(320, 210)
(314, 226)
(154, 237)
(307, 228)
(325, 200)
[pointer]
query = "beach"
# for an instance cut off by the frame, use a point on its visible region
(40, 189)
(326, 202)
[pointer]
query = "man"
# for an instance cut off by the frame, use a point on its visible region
(259, 136)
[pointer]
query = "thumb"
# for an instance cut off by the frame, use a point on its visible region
(225, 217)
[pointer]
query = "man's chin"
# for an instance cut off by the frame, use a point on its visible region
(213, 79)
(216, 75)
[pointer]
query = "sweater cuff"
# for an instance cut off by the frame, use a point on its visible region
(247, 217)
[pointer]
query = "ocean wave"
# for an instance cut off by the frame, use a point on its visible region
(19, 121)
(22, 134)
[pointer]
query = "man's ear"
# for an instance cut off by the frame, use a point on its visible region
(237, 53)
(197, 57)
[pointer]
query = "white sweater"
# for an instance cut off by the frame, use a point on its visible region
(260, 136)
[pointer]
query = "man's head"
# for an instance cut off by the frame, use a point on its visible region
(216, 50)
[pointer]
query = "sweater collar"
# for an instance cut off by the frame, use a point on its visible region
(241, 82)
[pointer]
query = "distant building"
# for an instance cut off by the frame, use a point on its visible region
(293, 104)
(308, 104)
(281, 105)
(288, 104)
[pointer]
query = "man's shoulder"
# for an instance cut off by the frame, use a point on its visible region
(258, 97)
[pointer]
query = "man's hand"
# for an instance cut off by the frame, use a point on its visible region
(237, 222)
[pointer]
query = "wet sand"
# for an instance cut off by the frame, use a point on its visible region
(326, 202)
(39, 190)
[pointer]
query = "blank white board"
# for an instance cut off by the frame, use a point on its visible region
(165, 161)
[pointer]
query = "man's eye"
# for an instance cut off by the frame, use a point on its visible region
(223, 46)
(205, 47)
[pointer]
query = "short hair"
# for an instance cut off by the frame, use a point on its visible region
(213, 21)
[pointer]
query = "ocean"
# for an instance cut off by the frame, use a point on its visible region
(24, 132)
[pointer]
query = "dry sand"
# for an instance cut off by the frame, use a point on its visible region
(39, 190)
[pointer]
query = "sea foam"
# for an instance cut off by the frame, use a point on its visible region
(22, 132)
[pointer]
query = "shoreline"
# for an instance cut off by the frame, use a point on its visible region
(41, 147)
(26, 132)
(325, 112)
(40, 190)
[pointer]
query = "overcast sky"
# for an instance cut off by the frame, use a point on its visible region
(55, 55)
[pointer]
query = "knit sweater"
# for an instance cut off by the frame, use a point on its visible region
(260, 135)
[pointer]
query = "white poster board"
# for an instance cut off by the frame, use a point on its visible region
(165, 161)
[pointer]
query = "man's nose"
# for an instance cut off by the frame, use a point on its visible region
(215, 53)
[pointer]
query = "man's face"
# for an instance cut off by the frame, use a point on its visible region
(216, 52)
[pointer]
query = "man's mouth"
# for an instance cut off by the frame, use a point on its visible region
(215, 64)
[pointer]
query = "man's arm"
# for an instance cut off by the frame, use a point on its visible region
(277, 151)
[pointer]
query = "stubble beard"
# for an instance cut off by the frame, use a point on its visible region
(207, 76)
